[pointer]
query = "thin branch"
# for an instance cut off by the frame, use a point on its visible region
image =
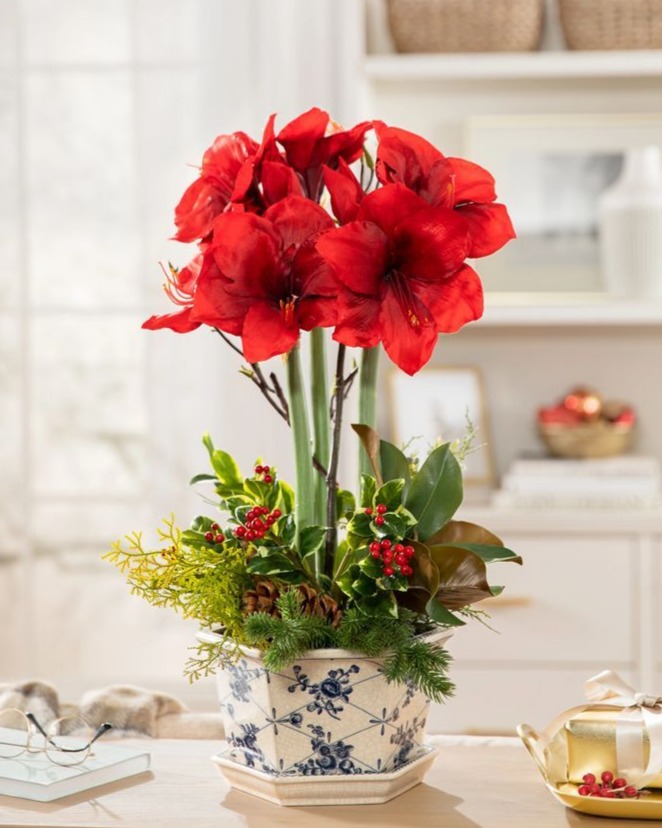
(331, 478)
(278, 390)
(349, 381)
(229, 342)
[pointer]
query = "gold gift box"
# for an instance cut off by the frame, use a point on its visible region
(591, 744)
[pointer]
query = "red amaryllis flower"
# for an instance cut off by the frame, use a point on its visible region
(210, 194)
(312, 140)
(401, 266)
(268, 281)
(180, 288)
(406, 158)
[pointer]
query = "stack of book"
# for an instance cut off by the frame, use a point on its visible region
(623, 482)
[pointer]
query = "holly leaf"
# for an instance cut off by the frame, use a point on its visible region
(226, 469)
(199, 478)
(360, 525)
(368, 489)
(274, 563)
(345, 503)
(286, 493)
(390, 494)
(436, 492)
(311, 539)
(371, 441)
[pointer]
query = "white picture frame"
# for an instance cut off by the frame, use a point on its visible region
(550, 171)
(435, 405)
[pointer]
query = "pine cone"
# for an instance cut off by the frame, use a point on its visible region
(262, 598)
(319, 604)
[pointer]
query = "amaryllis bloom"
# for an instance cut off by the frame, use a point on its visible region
(401, 265)
(313, 140)
(406, 158)
(268, 281)
(180, 288)
(212, 191)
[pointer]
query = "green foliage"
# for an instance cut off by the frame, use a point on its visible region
(287, 638)
(436, 492)
(424, 665)
(205, 582)
(209, 658)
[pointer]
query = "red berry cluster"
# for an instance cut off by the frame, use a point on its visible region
(258, 521)
(610, 788)
(264, 470)
(215, 535)
(395, 557)
(381, 510)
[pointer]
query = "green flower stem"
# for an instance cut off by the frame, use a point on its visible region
(320, 412)
(303, 456)
(368, 398)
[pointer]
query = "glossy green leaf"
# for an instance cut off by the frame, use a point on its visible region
(360, 525)
(438, 612)
(394, 464)
(368, 489)
(436, 492)
(199, 478)
(275, 563)
(364, 586)
(286, 493)
(311, 539)
(462, 577)
(489, 554)
(226, 469)
(390, 494)
(345, 503)
(461, 531)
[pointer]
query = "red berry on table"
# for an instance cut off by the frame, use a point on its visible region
(608, 793)
(595, 789)
(388, 571)
(630, 790)
(219, 538)
(583, 790)
(259, 469)
(240, 531)
(367, 511)
(381, 509)
(607, 777)
(266, 469)
(620, 782)
(268, 478)
(276, 513)
(379, 520)
(250, 535)
(375, 546)
(589, 778)
(386, 543)
(410, 551)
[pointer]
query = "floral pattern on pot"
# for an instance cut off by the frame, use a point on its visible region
(322, 717)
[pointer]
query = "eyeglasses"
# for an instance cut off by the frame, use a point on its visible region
(66, 741)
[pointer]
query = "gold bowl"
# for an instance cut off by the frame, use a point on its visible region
(596, 439)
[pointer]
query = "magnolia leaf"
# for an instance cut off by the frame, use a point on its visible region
(226, 469)
(200, 477)
(460, 531)
(462, 576)
(394, 464)
(311, 539)
(390, 494)
(436, 493)
(441, 614)
(368, 489)
(370, 440)
(489, 553)
(425, 574)
(497, 590)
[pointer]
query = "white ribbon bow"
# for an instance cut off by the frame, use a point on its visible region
(640, 714)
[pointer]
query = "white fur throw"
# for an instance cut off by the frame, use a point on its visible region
(132, 711)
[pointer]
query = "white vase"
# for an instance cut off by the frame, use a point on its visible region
(329, 730)
(630, 214)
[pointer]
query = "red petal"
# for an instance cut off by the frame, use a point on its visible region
(358, 320)
(298, 219)
(268, 149)
(301, 135)
(489, 228)
(389, 206)
(278, 181)
(197, 209)
(454, 302)
(472, 183)
(311, 275)
(358, 253)
(179, 322)
(213, 305)
(345, 191)
(266, 333)
(226, 155)
(247, 252)
(403, 156)
(409, 339)
(431, 244)
(317, 312)
(345, 144)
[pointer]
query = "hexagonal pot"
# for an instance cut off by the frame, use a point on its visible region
(327, 730)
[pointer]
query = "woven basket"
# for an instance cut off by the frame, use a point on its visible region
(612, 24)
(466, 25)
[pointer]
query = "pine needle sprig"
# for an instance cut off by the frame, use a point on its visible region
(287, 638)
(424, 665)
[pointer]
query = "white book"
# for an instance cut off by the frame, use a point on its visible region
(580, 484)
(507, 500)
(33, 776)
(627, 465)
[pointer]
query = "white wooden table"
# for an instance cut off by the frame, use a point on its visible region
(473, 783)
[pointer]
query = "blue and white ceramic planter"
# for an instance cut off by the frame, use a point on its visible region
(331, 714)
